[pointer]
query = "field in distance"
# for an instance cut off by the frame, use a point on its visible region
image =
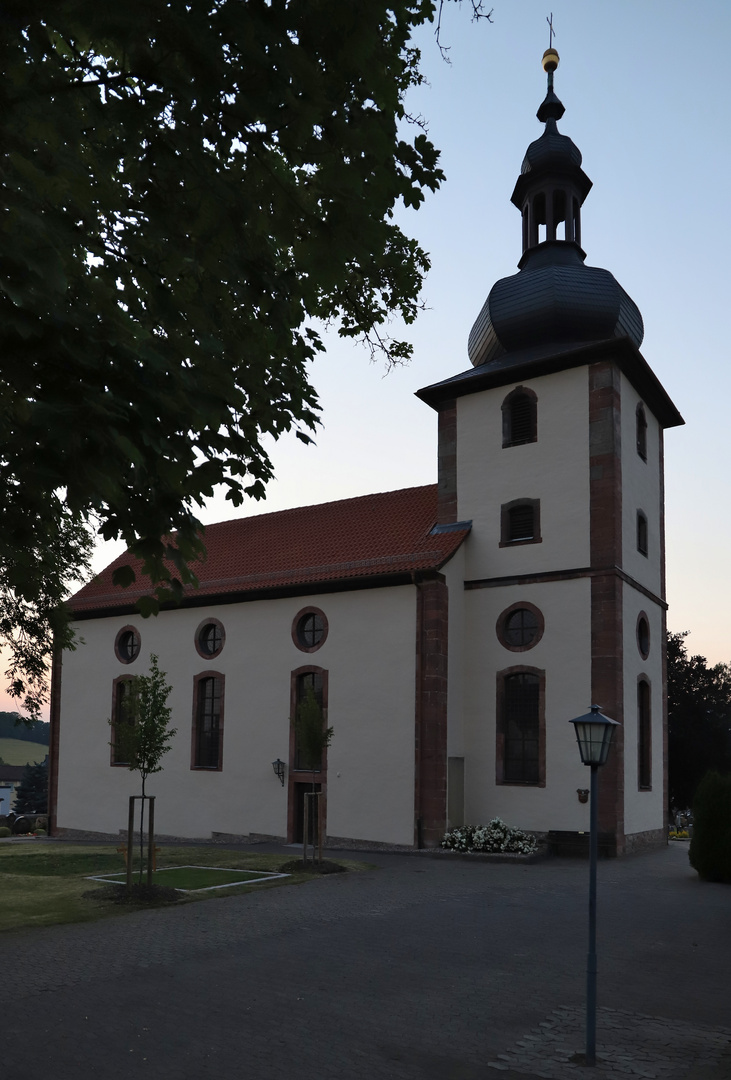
(19, 752)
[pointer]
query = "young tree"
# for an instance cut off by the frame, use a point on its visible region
(699, 720)
(31, 796)
(141, 738)
(313, 738)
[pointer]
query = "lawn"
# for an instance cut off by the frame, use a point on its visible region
(43, 882)
(20, 752)
(193, 878)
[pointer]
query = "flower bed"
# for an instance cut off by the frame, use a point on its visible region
(496, 837)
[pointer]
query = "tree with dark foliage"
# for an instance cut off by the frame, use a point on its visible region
(189, 191)
(32, 794)
(699, 720)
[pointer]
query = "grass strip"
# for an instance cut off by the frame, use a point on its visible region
(43, 882)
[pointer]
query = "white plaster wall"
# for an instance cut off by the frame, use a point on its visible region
(643, 810)
(370, 656)
(554, 469)
(641, 490)
(564, 652)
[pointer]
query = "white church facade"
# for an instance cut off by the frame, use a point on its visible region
(450, 632)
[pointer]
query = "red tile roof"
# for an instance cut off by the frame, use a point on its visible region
(298, 550)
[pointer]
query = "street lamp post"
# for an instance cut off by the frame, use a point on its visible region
(594, 733)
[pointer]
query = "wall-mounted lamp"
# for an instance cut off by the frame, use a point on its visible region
(583, 793)
(279, 769)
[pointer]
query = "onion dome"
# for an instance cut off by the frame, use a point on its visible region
(555, 300)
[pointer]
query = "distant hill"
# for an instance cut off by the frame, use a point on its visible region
(10, 729)
(18, 752)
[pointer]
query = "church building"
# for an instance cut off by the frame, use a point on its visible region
(448, 632)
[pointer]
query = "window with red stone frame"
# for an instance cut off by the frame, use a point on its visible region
(304, 680)
(644, 737)
(208, 697)
(520, 522)
(520, 414)
(120, 697)
(641, 432)
(521, 727)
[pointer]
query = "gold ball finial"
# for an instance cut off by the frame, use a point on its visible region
(549, 62)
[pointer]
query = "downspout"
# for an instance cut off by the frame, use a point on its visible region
(55, 718)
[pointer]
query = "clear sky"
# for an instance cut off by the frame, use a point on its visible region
(645, 86)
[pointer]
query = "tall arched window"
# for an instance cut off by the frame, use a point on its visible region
(304, 682)
(644, 740)
(122, 713)
(641, 432)
(520, 416)
(521, 728)
(208, 721)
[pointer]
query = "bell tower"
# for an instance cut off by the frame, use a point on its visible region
(551, 444)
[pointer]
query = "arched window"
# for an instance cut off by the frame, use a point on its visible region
(641, 533)
(520, 414)
(644, 741)
(559, 213)
(122, 714)
(208, 721)
(305, 682)
(641, 432)
(521, 728)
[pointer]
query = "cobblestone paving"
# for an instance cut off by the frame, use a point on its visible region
(420, 970)
(628, 1045)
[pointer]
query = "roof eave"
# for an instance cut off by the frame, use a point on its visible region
(516, 367)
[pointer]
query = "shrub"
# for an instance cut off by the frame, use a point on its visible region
(710, 846)
(40, 832)
(496, 836)
(5, 831)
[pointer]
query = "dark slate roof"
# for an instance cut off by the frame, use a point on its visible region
(546, 358)
(353, 543)
(551, 151)
(554, 298)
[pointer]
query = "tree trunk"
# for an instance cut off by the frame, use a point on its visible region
(142, 829)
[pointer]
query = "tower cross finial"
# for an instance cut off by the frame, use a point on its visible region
(551, 31)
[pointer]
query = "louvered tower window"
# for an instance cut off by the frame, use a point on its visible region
(521, 525)
(520, 522)
(641, 432)
(519, 417)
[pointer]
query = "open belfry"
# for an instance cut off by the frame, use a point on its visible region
(450, 632)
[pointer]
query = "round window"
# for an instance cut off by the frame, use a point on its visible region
(643, 636)
(520, 627)
(127, 645)
(309, 629)
(210, 638)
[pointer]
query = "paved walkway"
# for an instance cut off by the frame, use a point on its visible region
(422, 969)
